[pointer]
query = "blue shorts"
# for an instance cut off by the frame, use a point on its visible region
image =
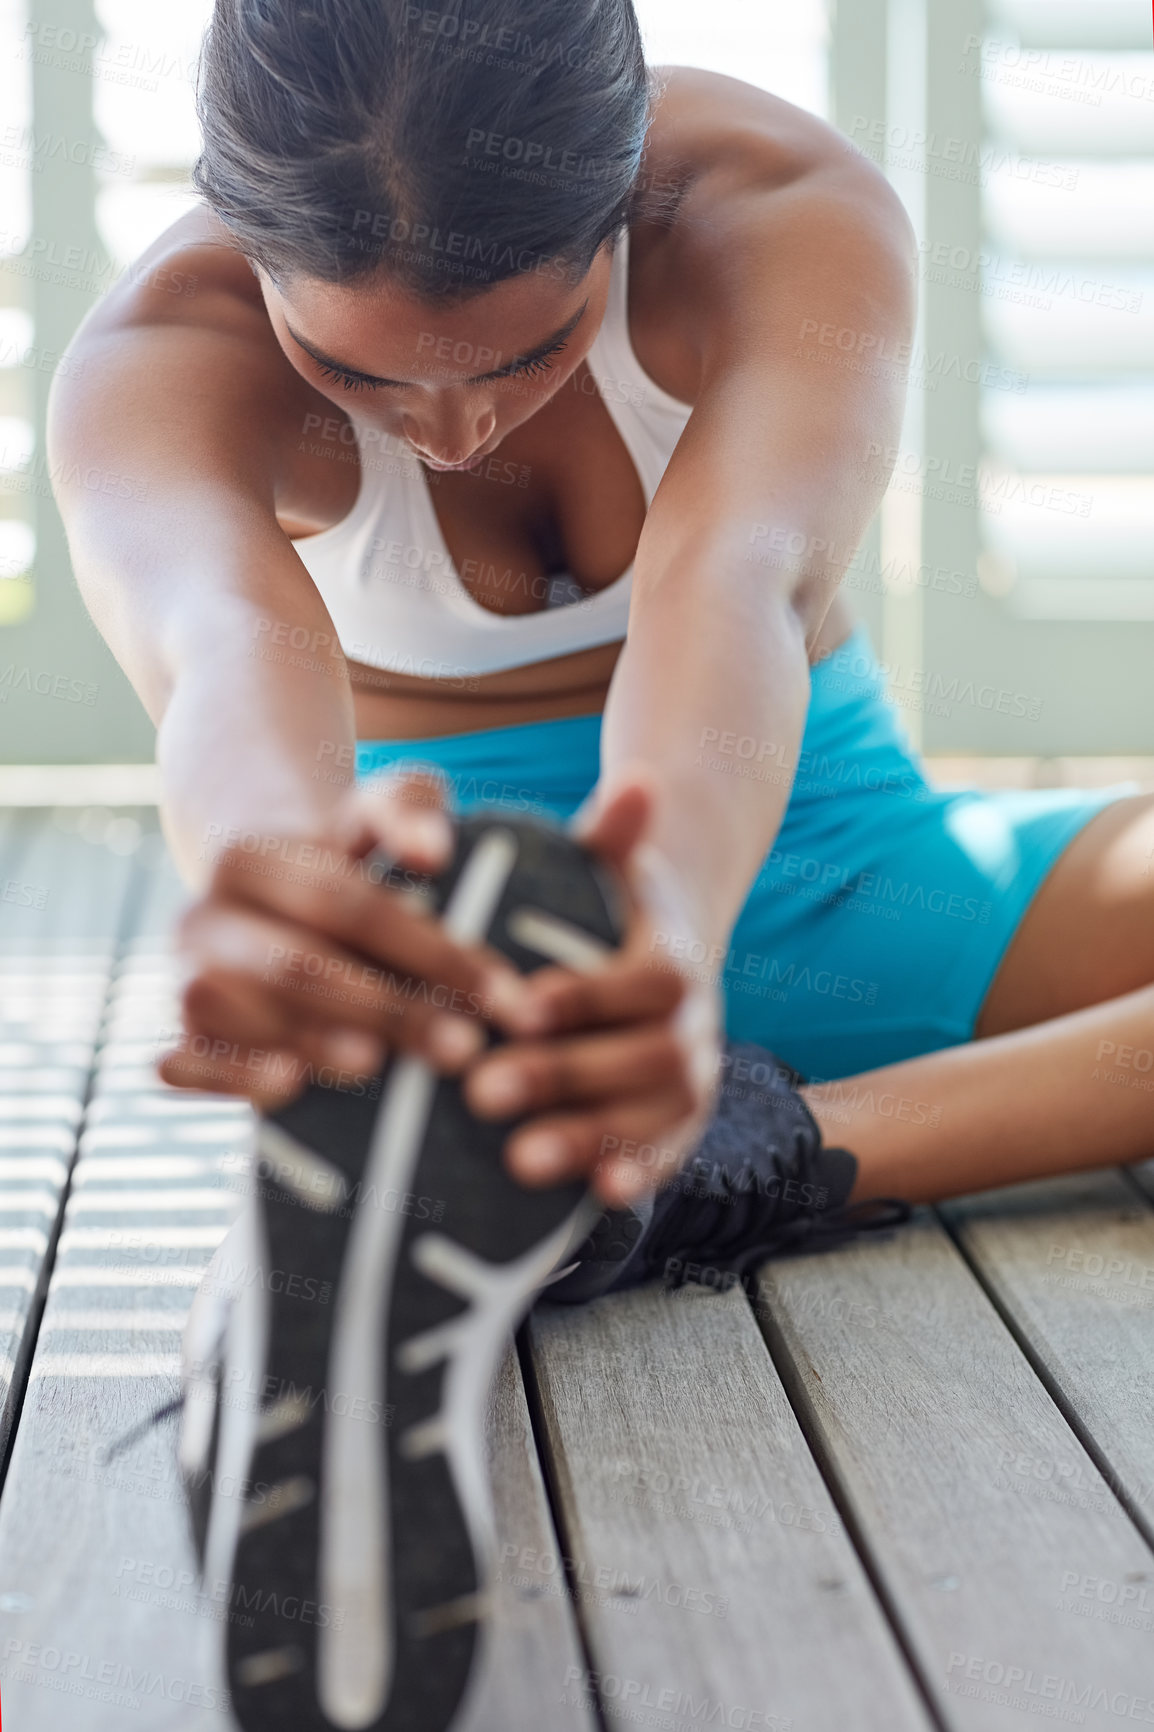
(878, 921)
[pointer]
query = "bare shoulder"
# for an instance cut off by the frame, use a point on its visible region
(178, 359)
(739, 184)
(192, 274)
(715, 141)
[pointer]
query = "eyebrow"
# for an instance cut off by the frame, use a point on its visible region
(516, 365)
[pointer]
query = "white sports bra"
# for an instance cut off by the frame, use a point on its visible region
(385, 573)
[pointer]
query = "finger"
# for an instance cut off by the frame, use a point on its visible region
(406, 816)
(230, 1008)
(622, 991)
(526, 1077)
(365, 920)
(626, 1147)
(276, 979)
(268, 1079)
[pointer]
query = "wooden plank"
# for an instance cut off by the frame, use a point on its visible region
(1071, 1263)
(94, 1554)
(95, 1563)
(715, 1581)
(60, 907)
(95, 1560)
(534, 1634)
(948, 1455)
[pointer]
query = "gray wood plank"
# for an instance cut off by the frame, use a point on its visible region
(95, 1561)
(97, 1549)
(534, 1633)
(713, 1575)
(1072, 1264)
(61, 903)
(951, 1459)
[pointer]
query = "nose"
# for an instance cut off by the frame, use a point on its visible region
(449, 433)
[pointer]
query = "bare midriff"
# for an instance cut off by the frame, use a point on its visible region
(400, 707)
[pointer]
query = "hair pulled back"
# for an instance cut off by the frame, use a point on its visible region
(451, 145)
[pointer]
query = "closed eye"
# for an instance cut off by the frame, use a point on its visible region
(530, 365)
(349, 381)
(532, 368)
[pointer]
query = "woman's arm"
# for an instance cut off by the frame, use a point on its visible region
(195, 587)
(779, 455)
(189, 577)
(763, 504)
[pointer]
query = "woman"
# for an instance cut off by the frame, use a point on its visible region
(499, 435)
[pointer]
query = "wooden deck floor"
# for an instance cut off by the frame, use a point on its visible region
(910, 1486)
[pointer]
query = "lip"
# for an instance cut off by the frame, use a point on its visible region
(447, 468)
(455, 468)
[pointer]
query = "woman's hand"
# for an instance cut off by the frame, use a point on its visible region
(617, 1068)
(303, 965)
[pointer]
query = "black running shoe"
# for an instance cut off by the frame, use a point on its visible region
(761, 1182)
(332, 1440)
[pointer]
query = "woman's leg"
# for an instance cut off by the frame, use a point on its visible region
(1061, 1076)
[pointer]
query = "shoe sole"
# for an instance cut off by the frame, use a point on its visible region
(362, 1543)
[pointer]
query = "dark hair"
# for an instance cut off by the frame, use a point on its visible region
(452, 145)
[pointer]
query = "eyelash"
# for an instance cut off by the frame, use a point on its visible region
(532, 370)
(543, 363)
(350, 381)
